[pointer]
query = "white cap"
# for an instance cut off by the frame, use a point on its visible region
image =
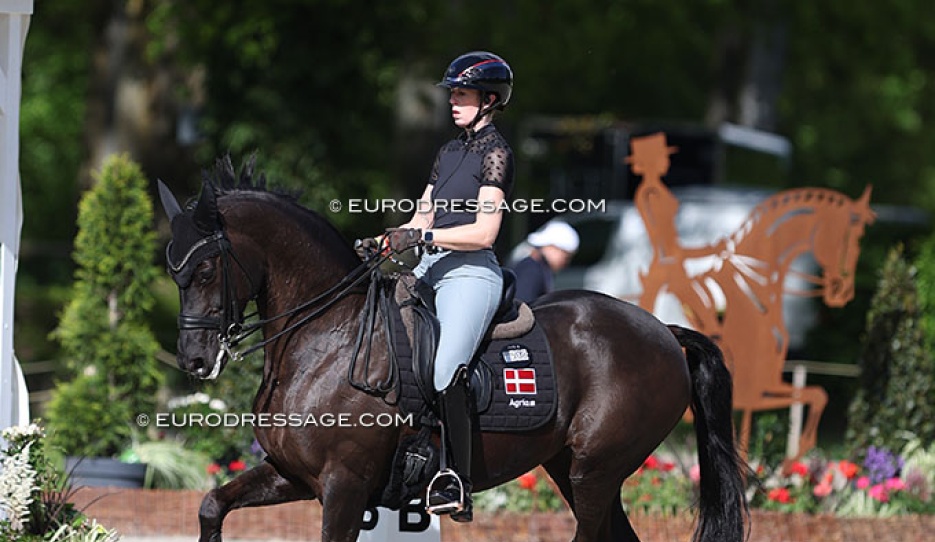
(556, 233)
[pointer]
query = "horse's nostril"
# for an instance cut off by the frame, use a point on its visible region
(198, 366)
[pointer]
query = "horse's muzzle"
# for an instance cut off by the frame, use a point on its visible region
(196, 358)
(838, 292)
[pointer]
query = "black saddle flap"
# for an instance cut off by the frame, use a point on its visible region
(426, 332)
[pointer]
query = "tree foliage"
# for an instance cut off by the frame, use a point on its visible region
(310, 85)
(104, 330)
(897, 368)
(859, 97)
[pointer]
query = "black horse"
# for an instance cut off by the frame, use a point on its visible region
(624, 379)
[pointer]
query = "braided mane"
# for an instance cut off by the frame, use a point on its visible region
(224, 179)
(781, 204)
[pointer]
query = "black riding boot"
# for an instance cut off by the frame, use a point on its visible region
(450, 490)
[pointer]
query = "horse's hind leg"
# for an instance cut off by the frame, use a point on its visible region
(597, 506)
(259, 486)
(558, 468)
(816, 399)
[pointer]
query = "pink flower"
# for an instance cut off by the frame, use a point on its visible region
(879, 493)
(528, 481)
(213, 469)
(651, 463)
(895, 484)
(695, 473)
(667, 466)
(822, 490)
(863, 482)
(237, 465)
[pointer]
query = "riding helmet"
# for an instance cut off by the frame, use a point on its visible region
(483, 71)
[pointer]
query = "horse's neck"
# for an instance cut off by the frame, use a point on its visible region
(776, 238)
(302, 256)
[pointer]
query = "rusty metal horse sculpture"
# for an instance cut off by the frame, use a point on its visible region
(624, 379)
(749, 273)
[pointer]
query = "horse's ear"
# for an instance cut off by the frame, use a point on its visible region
(169, 203)
(864, 204)
(206, 211)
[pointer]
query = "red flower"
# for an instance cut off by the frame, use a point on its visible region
(213, 469)
(848, 469)
(651, 463)
(528, 481)
(237, 466)
(667, 466)
(799, 468)
(780, 495)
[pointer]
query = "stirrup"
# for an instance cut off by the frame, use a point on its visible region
(448, 507)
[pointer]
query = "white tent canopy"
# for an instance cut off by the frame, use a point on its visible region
(14, 24)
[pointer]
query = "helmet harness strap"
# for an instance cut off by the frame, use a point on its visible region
(483, 110)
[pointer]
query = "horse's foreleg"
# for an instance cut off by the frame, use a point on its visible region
(259, 486)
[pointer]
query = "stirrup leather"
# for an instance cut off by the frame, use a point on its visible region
(448, 507)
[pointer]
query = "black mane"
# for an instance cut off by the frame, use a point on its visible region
(224, 180)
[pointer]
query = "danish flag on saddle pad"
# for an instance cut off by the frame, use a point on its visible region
(519, 381)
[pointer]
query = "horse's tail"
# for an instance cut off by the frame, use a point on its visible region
(723, 506)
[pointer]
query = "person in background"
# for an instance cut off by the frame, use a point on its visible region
(553, 247)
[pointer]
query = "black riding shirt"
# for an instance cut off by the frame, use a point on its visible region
(462, 166)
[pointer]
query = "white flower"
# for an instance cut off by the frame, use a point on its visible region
(17, 482)
(217, 404)
(188, 400)
(21, 433)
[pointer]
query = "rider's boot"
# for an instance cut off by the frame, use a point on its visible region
(450, 491)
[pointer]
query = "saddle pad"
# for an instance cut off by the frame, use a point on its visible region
(523, 382)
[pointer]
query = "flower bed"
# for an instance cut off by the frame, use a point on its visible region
(884, 484)
(886, 497)
(140, 512)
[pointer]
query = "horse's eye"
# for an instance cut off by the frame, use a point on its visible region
(205, 272)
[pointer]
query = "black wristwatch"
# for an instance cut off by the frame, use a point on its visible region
(428, 237)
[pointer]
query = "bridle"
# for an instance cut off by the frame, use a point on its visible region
(230, 322)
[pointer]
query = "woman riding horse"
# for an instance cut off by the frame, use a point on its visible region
(460, 265)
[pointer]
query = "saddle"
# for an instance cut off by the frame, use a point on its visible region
(512, 382)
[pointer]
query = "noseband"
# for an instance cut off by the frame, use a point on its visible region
(229, 323)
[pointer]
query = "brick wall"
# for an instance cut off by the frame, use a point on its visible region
(175, 513)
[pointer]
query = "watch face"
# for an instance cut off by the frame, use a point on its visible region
(429, 236)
